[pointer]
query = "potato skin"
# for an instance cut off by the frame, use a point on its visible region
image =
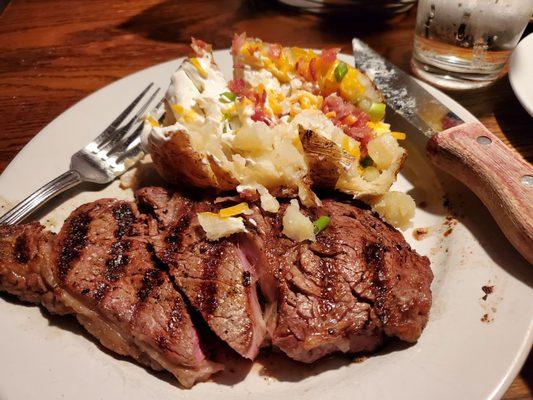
(177, 163)
(324, 158)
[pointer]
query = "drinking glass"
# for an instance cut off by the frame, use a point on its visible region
(464, 44)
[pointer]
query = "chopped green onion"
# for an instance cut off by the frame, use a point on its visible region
(377, 111)
(321, 224)
(367, 162)
(340, 71)
(226, 97)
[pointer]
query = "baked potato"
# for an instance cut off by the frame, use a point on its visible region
(290, 121)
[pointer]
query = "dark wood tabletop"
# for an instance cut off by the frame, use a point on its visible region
(53, 53)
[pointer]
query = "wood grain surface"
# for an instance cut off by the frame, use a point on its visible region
(494, 173)
(55, 52)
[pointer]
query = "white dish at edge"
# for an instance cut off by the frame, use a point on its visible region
(521, 73)
(457, 357)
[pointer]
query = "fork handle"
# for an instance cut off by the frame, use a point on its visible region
(35, 200)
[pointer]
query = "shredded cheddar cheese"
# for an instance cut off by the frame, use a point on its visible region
(152, 121)
(199, 68)
(188, 115)
(398, 135)
(233, 210)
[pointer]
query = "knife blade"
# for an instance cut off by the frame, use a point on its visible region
(403, 93)
(499, 177)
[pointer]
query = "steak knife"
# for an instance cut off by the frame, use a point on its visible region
(468, 151)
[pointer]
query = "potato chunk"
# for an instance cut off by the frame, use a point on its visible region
(396, 208)
(297, 226)
(383, 150)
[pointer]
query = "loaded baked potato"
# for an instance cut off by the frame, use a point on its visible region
(289, 122)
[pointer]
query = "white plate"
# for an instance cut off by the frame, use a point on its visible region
(457, 356)
(521, 72)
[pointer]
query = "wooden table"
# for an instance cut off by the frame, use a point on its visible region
(54, 53)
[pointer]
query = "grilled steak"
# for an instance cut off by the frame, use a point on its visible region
(131, 271)
(25, 266)
(217, 277)
(358, 281)
(105, 272)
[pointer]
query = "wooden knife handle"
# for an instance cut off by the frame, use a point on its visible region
(501, 179)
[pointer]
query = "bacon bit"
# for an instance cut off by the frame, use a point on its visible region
(238, 86)
(260, 96)
(312, 69)
(362, 134)
(329, 55)
(298, 67)
(350, 119)
(260, 116)
(347, 112)
(200, 47)
(302, 67)
(200, 44)
(237, 42)
(275, 50)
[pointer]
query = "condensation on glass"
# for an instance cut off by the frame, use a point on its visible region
(464, 44)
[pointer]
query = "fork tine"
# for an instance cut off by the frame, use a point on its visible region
(104, 136)
(123, 132)
(131, 153)
(126, 143)
(143, 109)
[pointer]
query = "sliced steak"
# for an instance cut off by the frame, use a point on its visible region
(217, 277)
(25, 252)
(358, 281)
(130, 272)
(164, 205)
(110, 276)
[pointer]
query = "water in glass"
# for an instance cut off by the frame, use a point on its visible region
(464, 44)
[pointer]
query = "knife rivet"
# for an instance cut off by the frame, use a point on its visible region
(527, 180)
(483, 140)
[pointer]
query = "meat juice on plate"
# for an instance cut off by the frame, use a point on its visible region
(462, 44)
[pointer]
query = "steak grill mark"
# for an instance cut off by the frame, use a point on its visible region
(152, 278)
(176, 316)
(175, 237)
(116, 264)
(119, 258)
(374, 254)
(73, 244)
(125, 219)
(100, 291)
(208, 290)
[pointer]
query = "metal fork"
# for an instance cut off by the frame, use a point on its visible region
(104, 159)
